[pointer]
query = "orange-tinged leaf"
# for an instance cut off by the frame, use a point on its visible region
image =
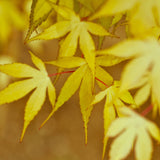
(86, 98)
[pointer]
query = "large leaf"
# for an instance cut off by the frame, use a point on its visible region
(38, 79)
(129, 129)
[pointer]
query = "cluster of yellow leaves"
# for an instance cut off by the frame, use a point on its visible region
(74, 27)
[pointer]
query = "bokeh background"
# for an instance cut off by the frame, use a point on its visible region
(62, 138)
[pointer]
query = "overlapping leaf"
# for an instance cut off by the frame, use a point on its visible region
(36, 79)
(114, 100)
(40, 11)
(145, 58)
(77, 30)
(145, 14)
(131, 129)
(83, 77)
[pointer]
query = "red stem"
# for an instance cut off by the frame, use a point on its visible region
(147, 110)
(101, 82)
(54, 74)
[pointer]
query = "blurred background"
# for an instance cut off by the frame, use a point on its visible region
(62, 138)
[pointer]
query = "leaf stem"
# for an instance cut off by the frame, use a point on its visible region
(55, 74)
(101, 82)
(147, 110)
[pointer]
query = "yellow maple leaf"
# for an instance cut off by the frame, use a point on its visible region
(131, 129)
(36, 79)
(144, 13)
(145, 55)
(83, 77)
(78, 29)
(114, 100)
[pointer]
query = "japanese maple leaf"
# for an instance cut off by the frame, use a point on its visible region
(36, 80)
(83, 78)
(114, 100)
(76, 29)
(145, 55)
(144, 13)
(129, 130)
